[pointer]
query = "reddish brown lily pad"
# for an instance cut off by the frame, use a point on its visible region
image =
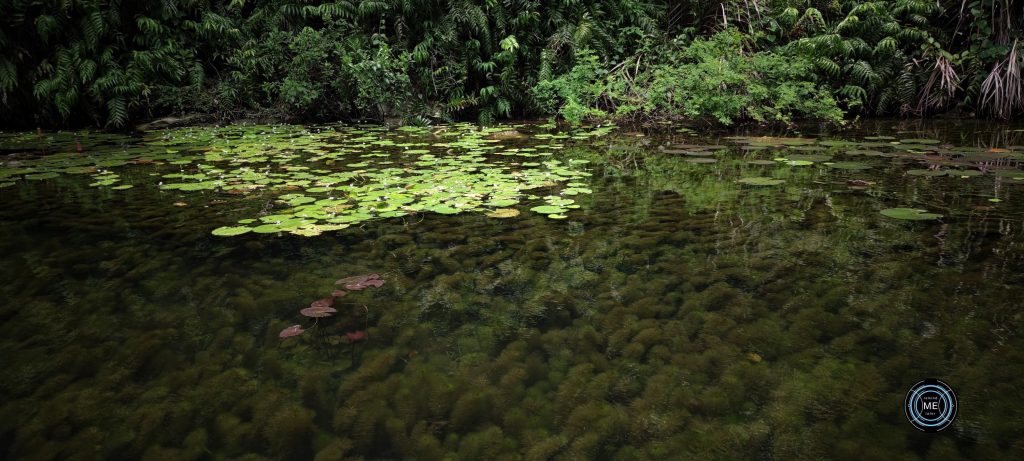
(326, 302)
(293, 330)
(354, 336)
(359, 282)
(318, 312)
(338, 293)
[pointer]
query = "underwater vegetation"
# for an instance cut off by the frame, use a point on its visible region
(323, 308)
(678, 313)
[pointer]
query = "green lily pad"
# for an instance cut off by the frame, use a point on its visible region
(445, 209)
(503, 202)
(269, 229)
(229, 231)
(909, 214)
(548, 209)
(307, 231)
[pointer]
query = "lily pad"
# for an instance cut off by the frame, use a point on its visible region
(548, 209)
(359, 282)
(229, 231)
(323, 302)
(269, 229)
(445, 209)
(909, 214)
(293, 330)
(503, 213)
(318, 311)
(809, 157)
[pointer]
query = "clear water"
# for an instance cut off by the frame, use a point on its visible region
(677, 314)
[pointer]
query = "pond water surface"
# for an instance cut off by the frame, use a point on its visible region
(646, 302)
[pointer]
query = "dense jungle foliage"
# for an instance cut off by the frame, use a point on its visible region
(108, 62)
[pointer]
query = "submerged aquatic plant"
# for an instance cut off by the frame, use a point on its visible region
(353, 338)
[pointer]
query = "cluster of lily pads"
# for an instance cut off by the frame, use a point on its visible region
(920, 156)
(324, 179)
(323, 308)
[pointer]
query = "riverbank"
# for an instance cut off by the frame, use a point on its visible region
(90, 63)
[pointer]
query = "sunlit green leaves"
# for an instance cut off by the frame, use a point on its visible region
(229, 231)
(328, 179)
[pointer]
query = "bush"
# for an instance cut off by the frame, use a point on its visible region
(311, 74)
(575, 94)
(713, 78)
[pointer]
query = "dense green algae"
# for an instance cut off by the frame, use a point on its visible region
(677, 313)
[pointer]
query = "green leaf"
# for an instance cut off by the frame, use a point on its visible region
(230, 231)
